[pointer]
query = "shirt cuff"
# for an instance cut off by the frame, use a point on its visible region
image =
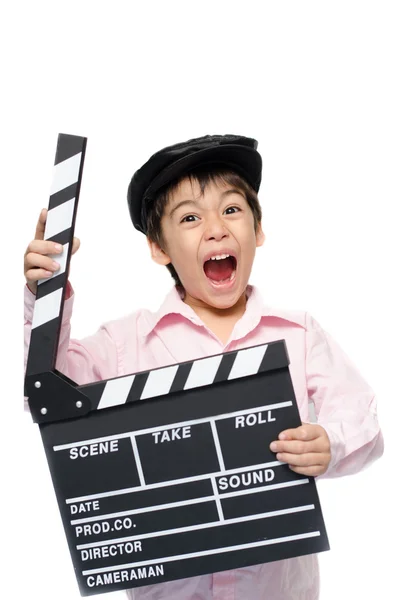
(29, 303)
(337, 447)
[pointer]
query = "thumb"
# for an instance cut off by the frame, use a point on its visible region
(40, 228)
(75, 245)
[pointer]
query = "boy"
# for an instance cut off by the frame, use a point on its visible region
(197, 204)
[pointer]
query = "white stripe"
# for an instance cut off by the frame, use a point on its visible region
(159, 382)
(116, 392)
(138, 461)
(274, 513)
(217, 498)
(288, 538)
(59, 219)
(61, 259)
(65, 173)
(47, 308)
(172, 482)
(146, 509)
(203, 372)
(172, 425)
(217, 444)
(247, 362)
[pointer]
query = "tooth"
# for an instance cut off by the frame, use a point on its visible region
(220, 257)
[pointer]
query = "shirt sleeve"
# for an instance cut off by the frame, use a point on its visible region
(345, 404)
(93, 358)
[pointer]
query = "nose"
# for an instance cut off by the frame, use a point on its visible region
(215, 229)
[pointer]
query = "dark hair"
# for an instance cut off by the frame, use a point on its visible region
(203, 175)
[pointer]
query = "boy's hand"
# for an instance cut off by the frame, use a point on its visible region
(306, 449)
(37, 263)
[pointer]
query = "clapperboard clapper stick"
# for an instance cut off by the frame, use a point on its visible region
(167, 473)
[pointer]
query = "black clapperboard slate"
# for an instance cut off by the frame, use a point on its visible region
(164, 474)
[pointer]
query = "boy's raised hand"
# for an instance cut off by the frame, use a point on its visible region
(306, 449)
(37, 263)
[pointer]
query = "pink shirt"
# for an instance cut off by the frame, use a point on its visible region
(344, 403)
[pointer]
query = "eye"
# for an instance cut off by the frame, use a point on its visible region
(188, 219)
(234, 209)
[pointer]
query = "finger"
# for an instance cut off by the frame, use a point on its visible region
(75, 245)
(33, 260)
(313, 471)
(43, 247)
(34, 275)
(301, 460)
(40, 229)
(307, 431)
(299, 447)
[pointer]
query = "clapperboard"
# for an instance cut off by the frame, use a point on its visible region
(164, 474)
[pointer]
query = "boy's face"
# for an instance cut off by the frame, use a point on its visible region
(196, 228)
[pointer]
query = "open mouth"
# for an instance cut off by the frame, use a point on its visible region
(220, 269)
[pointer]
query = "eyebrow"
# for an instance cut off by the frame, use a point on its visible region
(194, 202)
(180, 204)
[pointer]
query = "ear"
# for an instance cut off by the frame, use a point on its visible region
(157, 254)
(260, 235)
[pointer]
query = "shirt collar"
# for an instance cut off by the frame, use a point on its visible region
(254, 311)
(173, 304)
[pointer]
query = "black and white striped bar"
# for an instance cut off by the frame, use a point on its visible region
(63, 201)
(186, 376)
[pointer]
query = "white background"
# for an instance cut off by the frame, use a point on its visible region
(321, 85)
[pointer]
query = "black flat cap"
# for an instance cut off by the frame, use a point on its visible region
(236, 152)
